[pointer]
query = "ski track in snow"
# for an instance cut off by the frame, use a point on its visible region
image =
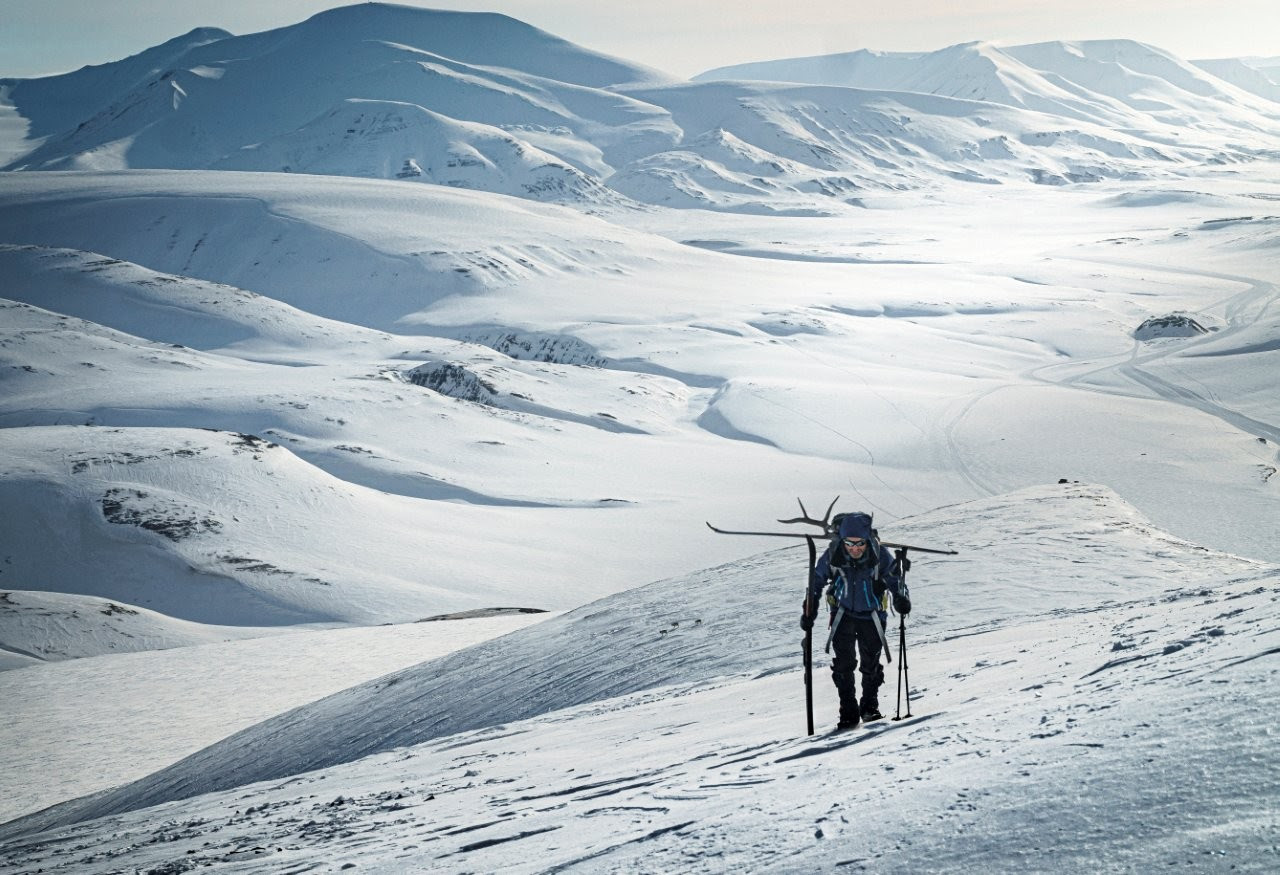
(532, 328)
(1241, 311)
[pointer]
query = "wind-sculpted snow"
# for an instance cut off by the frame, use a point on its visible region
(159, 512)
(703, 670)
(526, 393)
(270, 234)
(189, 524)
(52, 626)
(636, 374)
(207, 683)
(163, 307)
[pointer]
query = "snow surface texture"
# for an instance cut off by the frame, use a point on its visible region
(477, 323)
(1059, 718)
(105, 721)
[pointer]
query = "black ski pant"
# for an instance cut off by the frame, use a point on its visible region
(857, 641)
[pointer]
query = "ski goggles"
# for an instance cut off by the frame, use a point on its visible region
(855, 542)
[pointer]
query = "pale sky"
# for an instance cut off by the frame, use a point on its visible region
(682, 37)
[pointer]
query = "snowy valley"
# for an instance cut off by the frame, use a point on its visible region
(367, 385)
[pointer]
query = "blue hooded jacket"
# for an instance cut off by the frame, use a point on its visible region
(854, 584)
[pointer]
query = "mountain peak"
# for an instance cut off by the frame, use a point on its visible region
(482, 38)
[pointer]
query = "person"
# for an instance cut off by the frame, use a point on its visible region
(859, 572)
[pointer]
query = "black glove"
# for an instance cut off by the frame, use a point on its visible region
(902, 604)
(904, 564)
(806, 622)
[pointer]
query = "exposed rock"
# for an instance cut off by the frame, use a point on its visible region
(453, 380)
(163, 515)
(1173, 325)
(560, 349)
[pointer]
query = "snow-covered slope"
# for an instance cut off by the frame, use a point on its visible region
(54, 104)
(485, 102)
(217, 98)
(1242, 75)
(241, 403)
(84, 725)
(1151, 81)
(768, 148)
(108, 490)
(166, 308)
(582, 382)
(1079, 663)
(229, 529)
(1269, 67)
(392, 140)
(1118, 84)
(40, 627)
(368, 252)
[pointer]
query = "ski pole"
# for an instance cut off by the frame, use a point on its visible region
(902, 668)
(902, 640)
(807, 644)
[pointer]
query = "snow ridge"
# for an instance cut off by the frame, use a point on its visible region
(486, 102)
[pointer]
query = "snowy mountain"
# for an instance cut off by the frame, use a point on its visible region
(1242, 75)
(485, 102)
(219, 97)
(1116, 84)
(474, 156)
(1087, 78)
(1269, 67)
(366, 386)
(54, 104)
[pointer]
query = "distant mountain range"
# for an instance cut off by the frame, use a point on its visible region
(1062, 77)
(486, 102)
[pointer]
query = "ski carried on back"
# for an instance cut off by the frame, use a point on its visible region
(891, 545)
(829, 527)
(862, 536)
